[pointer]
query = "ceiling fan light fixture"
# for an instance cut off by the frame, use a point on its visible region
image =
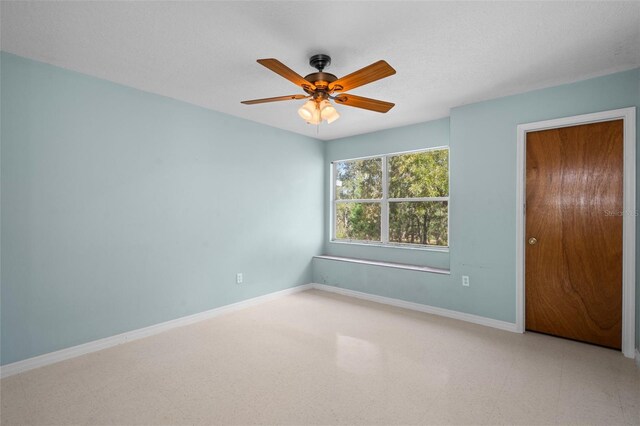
(310, 112)
(328, 112)
(307, 111)
(333, 117)
(316, 119)
(321, 86)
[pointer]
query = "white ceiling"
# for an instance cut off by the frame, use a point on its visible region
(446, 53)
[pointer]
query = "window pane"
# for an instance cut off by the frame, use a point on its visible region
(358, 221)
(423, 222)
(359, 179)
(423, 174)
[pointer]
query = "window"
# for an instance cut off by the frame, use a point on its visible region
(395, 199)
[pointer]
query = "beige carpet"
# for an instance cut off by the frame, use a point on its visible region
(319, 358)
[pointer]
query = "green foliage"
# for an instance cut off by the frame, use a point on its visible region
(415, 175)
(359, 179)
(423, 174)
(358, 221)
(419, 222)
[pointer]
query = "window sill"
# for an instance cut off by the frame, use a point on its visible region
(386, 264)
(393, 246)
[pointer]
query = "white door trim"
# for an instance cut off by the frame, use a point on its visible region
(628, 218)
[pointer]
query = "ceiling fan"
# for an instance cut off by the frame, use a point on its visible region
(321, 87)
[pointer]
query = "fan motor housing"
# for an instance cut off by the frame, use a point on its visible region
(320, 61)
(321, 79)
(320, 76)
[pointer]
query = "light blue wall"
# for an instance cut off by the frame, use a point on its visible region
(122, 209)
(483, 196)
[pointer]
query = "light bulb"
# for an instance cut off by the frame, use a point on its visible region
(315, 118)
(307, 110)
(324, 104)
(310, 112)
(331, 115)
(328, 112)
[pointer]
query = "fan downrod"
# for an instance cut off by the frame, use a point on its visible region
(320, 61)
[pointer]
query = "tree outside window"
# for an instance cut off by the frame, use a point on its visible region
(396, 199)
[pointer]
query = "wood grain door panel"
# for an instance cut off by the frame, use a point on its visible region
(573, 274)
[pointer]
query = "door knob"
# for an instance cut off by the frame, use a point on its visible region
(532, 241)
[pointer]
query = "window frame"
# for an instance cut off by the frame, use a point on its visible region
(384, 203)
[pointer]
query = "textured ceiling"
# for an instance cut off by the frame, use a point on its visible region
(445, 54)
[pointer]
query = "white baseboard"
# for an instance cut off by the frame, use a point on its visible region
(476, 319)
(107, 342)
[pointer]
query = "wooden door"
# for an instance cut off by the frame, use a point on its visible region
(573, 268)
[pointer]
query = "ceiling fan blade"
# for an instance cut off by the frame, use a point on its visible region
(365, 103)
(280, 68)
(366, 75)
(278, 98)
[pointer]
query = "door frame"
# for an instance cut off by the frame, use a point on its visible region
(628, 115)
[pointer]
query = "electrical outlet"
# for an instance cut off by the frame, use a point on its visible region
(239, 278)
(465, 280)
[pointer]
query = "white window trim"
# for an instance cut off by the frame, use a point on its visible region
(444, 249)
(384, 204)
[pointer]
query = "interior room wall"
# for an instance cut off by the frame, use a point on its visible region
(482, 140)
(122, 209)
